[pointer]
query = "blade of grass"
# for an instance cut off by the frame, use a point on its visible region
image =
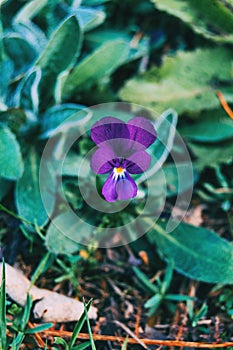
(124, 346)
(145, 280)
(82, 346)
(3, 328)
(167, 277)
(39, 270)
(17, 341)
(79, 325)
(26, 313)
(178, 297)
(89, 327)
(60, 341)
(39, 328)
(15, 215)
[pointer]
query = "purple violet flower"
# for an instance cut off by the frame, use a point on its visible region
(121, 152)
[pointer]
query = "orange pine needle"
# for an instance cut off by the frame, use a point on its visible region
(224, 104)
(138, 318)
(37, 337)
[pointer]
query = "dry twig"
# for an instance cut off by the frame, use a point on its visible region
(112, 338)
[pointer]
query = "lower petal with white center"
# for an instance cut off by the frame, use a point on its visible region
(119, 186)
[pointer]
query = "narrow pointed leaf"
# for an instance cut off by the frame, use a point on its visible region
(58, 55)
(165, 127)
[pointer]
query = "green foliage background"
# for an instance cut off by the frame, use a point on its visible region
(58, 57)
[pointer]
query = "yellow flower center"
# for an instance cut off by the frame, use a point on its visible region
(119, 173)
(119, 170)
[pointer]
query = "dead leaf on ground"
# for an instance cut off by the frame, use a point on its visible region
(50, 306)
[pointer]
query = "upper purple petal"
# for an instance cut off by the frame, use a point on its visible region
(138, 162)
(141, 131)
(102, 160)
(109, 128)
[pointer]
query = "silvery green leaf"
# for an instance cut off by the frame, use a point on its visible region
(165, 127)
(29, 10)
(89, 18)
(27, 95)
(11, 162)
(28, 189)
(59, 54)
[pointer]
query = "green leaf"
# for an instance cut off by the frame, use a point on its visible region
(61, 118)
(212, 126)
(211, 155)
(19, 50)
(11, 163)
(58, 55)
(72, 163)
(197, 252)
(177, 177)
(89, 18)
(165, 127)
(211, 18)
(63, 234)
(29, 187)
(34, 36)
(27, 95)
(29, 10)
(184, 82)
(14, 118)
(94, 67)
(6, 72)
(100, 36)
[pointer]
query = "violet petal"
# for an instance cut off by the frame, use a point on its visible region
(138, 162)
(120, 189)
(102, 160)
(109, 128)
(109, 189)
(142, 131)
(126, 188)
